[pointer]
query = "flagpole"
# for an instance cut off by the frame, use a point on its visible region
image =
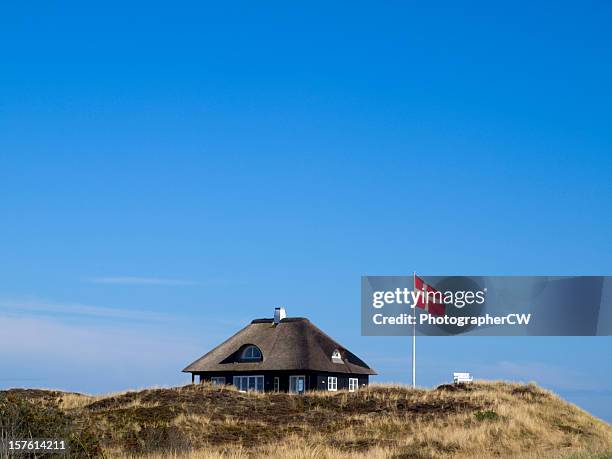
(414, 335)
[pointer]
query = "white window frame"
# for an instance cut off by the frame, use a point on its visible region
(247, 353)
(217, 380)
(276, 384)
(336, 357)
(332, 383)
(243, 383)
(353, 384)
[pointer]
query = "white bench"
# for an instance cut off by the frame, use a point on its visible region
(462, 378)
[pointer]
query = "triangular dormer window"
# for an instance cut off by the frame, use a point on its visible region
(336, 357)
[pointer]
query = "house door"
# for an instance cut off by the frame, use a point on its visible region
(297, 384)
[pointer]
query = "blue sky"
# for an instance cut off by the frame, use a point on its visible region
(168, 173)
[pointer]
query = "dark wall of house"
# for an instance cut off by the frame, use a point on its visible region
(268, 378)
(343, 380)
(313, 380)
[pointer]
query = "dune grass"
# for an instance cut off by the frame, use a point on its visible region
(483, 419)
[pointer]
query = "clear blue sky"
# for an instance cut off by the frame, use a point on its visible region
(169, 172)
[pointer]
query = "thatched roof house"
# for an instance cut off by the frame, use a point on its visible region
(282, 354)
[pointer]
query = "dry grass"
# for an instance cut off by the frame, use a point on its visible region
(494, 419)
(286, 451)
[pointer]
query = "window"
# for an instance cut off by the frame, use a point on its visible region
(353, 384)
(276, 384)
(249, 383)
(297, 384)
(251, 353)
(336, 357)
(332, 383)
(218, 380)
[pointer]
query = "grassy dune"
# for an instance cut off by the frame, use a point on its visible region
(479, 420)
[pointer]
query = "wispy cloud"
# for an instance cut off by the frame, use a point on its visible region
(30, 306)
(69, 346)
(131, 280)
(93, 357)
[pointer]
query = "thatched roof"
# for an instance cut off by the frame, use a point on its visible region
(293, 344)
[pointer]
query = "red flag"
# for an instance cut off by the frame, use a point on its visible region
(428, 297)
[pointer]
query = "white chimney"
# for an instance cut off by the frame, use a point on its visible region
(279, 314)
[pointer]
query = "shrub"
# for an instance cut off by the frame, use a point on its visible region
(22, 419)
(486, 415)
